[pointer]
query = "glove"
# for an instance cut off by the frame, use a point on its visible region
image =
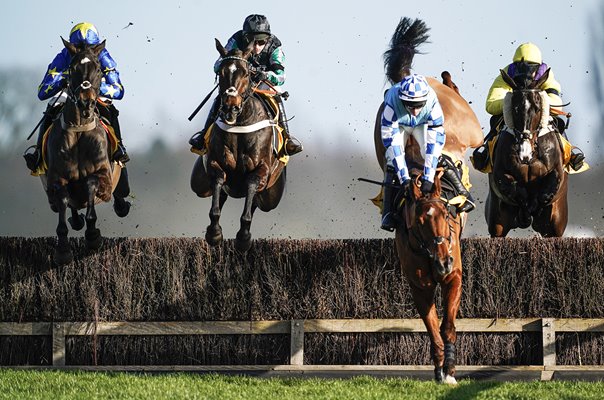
(427, 187)
(406, 188)
(260, 76)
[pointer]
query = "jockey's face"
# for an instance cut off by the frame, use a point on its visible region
(259, 46)
(414, 108)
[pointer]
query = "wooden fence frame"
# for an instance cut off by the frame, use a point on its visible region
(297, 329)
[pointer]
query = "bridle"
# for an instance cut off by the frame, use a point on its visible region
(232, 90)
(73, 93)
(424, 247)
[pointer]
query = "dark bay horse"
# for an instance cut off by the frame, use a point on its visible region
(240, 161)
(428, 244)
(79, 171)
(528, 183)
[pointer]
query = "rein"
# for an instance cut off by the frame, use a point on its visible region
(423, 248)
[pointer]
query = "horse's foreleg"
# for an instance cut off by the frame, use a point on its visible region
(76, 221)
(244, 237)
(424, 301)
(92, 234)
(451, 297)
(214, 231)
(63, 253)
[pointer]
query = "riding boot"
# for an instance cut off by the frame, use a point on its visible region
(577, 157)
(388, 214)
(198, 141)
(292, 145)
(120, 154)
(453, 176)
(33, 159)
(480, 156)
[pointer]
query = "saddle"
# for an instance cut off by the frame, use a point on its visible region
(111, 138)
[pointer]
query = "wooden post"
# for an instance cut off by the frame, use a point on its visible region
(549, 348)
(296, 356)
(58, 344)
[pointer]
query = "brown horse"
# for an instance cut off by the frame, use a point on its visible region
(528, 183)
(428, 244)
(79, 171)
(241, 161)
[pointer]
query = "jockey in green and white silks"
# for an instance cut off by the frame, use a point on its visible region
(268, 62)
(51, 87)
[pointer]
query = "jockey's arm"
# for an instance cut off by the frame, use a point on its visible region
(276, 69)
(111, 86)
(497, 92)
(51, 83)
(393, 143)
(435, 141)
(553, 90)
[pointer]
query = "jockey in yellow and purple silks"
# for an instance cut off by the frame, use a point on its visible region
(82, 34)
(411, 108)
(528, 53)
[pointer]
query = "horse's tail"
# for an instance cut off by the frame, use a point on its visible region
(408, 36)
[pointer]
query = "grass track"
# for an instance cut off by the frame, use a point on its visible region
(93, 385)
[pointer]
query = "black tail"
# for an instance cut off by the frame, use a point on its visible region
(408, 36)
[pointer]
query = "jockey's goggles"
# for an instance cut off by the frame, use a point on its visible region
(414, 105)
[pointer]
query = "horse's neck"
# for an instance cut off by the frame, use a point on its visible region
(71, 115)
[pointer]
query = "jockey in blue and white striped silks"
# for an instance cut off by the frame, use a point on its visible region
(400, 121)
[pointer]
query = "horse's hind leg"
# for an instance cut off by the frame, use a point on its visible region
(451, 297)
(76, 220)
(122, 190)
(92, 234)
(63, 254)
(214, 231)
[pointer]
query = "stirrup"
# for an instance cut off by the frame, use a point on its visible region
(198, 140)
(576, 159)
(121, 155)
(32, 159)
(296, 146)
(388, 222)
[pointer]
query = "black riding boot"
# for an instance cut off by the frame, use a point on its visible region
(111, 113)
(292, 145)
(453, 175)
(388, 214)
(198, 141)
(480, 156)
(33, 159)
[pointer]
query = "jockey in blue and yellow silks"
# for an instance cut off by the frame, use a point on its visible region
(82, 34)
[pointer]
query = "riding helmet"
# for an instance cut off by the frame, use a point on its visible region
(256, 27)
(528, 52)
(84, 33)
(414, 89)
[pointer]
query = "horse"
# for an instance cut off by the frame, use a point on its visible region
(428, 245)
(79, 172)
(528, 182)
(240, 161)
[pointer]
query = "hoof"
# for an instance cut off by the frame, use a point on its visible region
(214, 236)
(450, 380)
(63, 257)
(76, 224)
(121, 207)
(93, 239)
(243, 242)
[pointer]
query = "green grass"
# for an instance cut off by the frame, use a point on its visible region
(21, 384)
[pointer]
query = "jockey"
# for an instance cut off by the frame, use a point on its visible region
(268, 59)
(529, 53)
(82, 34)
(411, 108)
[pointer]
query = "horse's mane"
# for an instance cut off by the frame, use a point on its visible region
(407, 37)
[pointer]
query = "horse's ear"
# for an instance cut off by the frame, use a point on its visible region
(415, 190)
(70, 47)
(97, 48)
(543, 78)
(248, 50)
(223, 52)
(437, 188)
(508, 79)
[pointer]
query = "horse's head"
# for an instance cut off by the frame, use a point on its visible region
(430, 231)
(234, 81)
(85, 76)
(526, 108)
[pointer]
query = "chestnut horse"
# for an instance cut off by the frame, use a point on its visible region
(528, 182)
(240, 161)
(428, 245)
(80, 172)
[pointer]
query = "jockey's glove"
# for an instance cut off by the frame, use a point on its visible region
(260, 76)
(427, 187)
